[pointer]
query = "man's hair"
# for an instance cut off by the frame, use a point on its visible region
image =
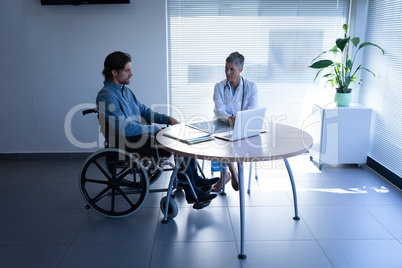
(237, 58)
(115, 61)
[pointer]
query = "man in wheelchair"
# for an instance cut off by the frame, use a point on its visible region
(122, 114)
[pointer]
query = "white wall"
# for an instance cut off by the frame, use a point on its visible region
(51, 59)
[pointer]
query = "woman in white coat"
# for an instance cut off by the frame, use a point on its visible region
(233, 94)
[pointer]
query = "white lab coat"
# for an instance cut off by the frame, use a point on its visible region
(227, 104)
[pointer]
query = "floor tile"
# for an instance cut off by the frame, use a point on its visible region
(324, 193)
(270, 223)
(209, 224)
(269, 184)
(372, 192)
(43, 226)
(259, 199)
(342, 222)
(139, 227)
(108, 255)
(35, 256)
(34, 172)
(6, 216)
(363, 253)
(58, 196)
(389, 216)
(18, 196)
(284, 254)
(195, 255)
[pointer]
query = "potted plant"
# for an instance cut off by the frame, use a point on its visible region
(342, 71)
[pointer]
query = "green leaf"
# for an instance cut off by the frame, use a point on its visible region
(329, 80)
(355, 41)
(347, 80)
(321, 64)
(319, 56)
(367, 70)
(345, 27)
(371, 44)
(349, 64)
(341, 43)
(334, 50)
(317, 75)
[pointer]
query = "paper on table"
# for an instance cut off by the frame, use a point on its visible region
(197, 138)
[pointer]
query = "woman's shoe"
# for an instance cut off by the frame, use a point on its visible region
(218, 186)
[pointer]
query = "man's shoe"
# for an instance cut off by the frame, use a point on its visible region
(202, 197)
(205, 197)
(206, 182)
(206, 189)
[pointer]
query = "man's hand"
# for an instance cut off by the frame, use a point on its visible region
(231, 121)
(173, 121)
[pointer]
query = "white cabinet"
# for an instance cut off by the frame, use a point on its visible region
(341, 134)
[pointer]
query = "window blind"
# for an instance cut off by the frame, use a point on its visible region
(383, 93)
(279, 39)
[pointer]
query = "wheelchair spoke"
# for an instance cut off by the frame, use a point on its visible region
(100, 195)
(102, 170)
(126, 198)
(95, 181)
(123, 170)
(121, 175)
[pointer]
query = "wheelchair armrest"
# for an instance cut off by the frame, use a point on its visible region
(90, 111)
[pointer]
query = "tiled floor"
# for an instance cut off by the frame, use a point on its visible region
(350, 217)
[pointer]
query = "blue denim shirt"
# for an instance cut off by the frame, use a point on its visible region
(123, 111)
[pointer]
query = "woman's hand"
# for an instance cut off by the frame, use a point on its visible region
(231, 121)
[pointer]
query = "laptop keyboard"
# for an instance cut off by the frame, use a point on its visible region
(229, 136)
(226, 134)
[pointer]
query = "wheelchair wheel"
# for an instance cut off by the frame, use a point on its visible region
(173, 209)
(114, 183)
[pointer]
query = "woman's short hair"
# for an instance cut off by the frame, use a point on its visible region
(115, 61)
(237, 58)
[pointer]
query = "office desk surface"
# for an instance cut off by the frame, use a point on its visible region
(278, 142)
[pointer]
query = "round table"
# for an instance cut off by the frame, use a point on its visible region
(277, 142)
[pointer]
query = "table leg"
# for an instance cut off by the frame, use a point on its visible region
(296, 217)
(242, 210)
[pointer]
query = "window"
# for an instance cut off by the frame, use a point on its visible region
(278, 38)
(383, 93)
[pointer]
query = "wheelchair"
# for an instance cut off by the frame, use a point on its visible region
(116, 183)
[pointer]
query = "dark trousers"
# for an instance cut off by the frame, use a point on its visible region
(145, 146)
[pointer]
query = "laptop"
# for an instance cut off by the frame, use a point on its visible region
(248, 124)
